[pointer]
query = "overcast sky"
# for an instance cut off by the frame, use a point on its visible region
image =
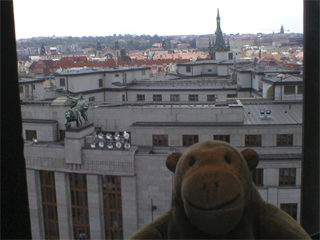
(34, 18)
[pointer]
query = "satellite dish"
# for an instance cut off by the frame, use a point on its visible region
(118, 145)
(109, 136)
(110, 146)
(101, 144)
(117, 137)
(93, 145)
(126, 135)
(35, 140)
(127, 145)
(100, 136)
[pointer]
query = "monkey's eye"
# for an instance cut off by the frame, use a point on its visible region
(192, 161)
(227, 159)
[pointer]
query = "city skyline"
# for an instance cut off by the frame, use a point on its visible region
(70, 18)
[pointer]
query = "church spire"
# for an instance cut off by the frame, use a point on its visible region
(219, 41)
(218, 20)
(218, 44)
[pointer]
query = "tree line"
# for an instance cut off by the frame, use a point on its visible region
(127, 41)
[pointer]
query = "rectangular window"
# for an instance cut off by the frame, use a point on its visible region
(289, 90)
(33, 87)
(100, 82)
(284, 140)
(157, 98)
(211, 98)
(193, 97)
(159, 140)
(231, 95)
(49, 205)
(209, 70)
(31, 134)
(188, 69)
(225, 138)
(287, 176)
(92, 99)
(174, 97)
(112, 207)
(300, 89)
(230, 56)
(141, 97)
(188, 140)
(290, 208)
(21, 89)
(79, 205)
(123, 97)
(252, 140)
(143, 72)
(62, 82)
(257, 176)
(62, 135)
(116, 75)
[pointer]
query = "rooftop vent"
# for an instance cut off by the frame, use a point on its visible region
(265, 114)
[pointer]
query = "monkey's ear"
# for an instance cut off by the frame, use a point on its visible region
(172, 161)
(251, 157)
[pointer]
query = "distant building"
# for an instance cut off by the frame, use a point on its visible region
(34, 89)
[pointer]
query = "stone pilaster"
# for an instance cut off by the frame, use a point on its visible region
(129, 206)
(95, 204)
(64, 205)
(35, 204)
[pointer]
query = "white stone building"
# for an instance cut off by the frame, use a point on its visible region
(35, 88)
(76, 191)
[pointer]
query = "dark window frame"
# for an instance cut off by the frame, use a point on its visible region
(257, 176)
(157, 97)
(92, 99)
(212, 97)
(174, 97)
(160, 140)
(287, 176)
(193, 97)
(62, 82)
(188, 140)
(284, 140)
(49, 204)
(30, 134)
(225, 138)
(141, 97)
(79, 206)
(112, 207)
(252, 140)
(100, 82)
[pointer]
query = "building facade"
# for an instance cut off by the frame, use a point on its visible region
(77, 191)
